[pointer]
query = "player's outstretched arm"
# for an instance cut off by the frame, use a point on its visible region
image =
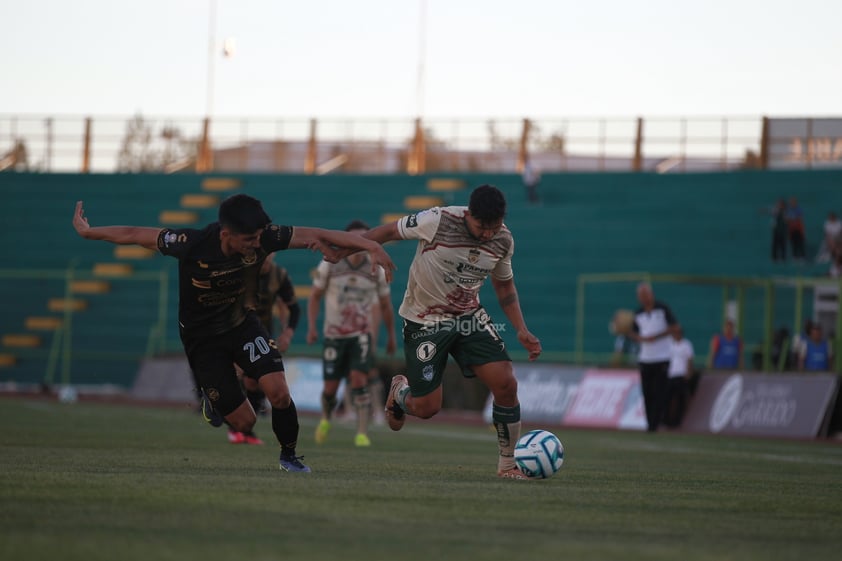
(384, 233)
(326, 241)
(507, 297)
(125, 235)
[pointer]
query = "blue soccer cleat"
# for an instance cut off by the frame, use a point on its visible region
(293, 463)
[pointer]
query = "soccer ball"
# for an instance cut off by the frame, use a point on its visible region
(539, 454)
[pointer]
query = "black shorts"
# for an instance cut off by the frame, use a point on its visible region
(212, 360)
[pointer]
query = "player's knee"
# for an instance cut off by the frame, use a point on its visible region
(242, 423)
(507, 388)
(277, 392)
(279, 399)
(425, 409)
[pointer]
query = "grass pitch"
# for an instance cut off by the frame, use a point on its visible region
(93, 481)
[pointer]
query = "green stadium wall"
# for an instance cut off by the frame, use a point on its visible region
(693, 224)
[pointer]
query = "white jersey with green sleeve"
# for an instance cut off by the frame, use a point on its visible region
(350, 294)
(450, 264)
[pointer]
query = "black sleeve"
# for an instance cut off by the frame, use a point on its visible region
(287, 294)
(285, 289)
(294, 315)
(176, 242)
(276, 238)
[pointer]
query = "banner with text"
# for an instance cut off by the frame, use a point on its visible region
(791, 405)
(608, 399)
(545, 392)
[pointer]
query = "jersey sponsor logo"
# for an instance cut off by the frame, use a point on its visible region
(171, 238)
(202, 264)
(470, 268)
(412, 221)
(228, 282)
(225, 272)
(426, 351)
(427, 373)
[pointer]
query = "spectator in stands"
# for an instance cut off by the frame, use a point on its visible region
(795, 227)
(680, 371)
(779, 230)
(458, 248)
(218, 268)
(275, 297)
(799, 342)
(531, 180)
(726, 349)
(831, 239)
(654, 327)
(816, 354)
(351, 290)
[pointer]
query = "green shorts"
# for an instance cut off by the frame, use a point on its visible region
(471, 339)
(342, 355)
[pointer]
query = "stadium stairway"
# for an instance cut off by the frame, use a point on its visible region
(99, 302)
(708, 225)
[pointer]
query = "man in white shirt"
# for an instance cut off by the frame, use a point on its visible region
(654, 327)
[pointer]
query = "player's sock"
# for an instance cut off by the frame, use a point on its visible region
(507, 423)
(328, 405)
(362, 403)
(403, 393)
(285, 427)
(377, 391)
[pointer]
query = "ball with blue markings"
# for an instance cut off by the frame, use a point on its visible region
(539, 454)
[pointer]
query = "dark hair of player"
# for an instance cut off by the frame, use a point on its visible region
(356, 225)
(487, 204)
(243, 214)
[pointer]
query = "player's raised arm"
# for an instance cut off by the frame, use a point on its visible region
(327, 241)
(124, 235)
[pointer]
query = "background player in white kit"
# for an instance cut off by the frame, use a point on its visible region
(350, 290)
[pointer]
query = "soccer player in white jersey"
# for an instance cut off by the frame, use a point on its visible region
(350, 289)
(458, 248)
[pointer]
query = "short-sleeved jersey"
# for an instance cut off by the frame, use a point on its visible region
(450, 264)
(351, 292)
(651, 323)
(214, 289)
(271, 286)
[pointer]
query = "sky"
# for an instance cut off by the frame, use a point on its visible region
(469, 58)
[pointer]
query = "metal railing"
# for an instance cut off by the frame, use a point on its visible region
(117, 143)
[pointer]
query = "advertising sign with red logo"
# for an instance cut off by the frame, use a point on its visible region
(608, 399)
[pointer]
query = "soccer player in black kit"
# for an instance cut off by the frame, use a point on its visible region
(218, 269)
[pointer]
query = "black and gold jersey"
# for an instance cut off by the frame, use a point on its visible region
(214, 290)
(273, 285)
